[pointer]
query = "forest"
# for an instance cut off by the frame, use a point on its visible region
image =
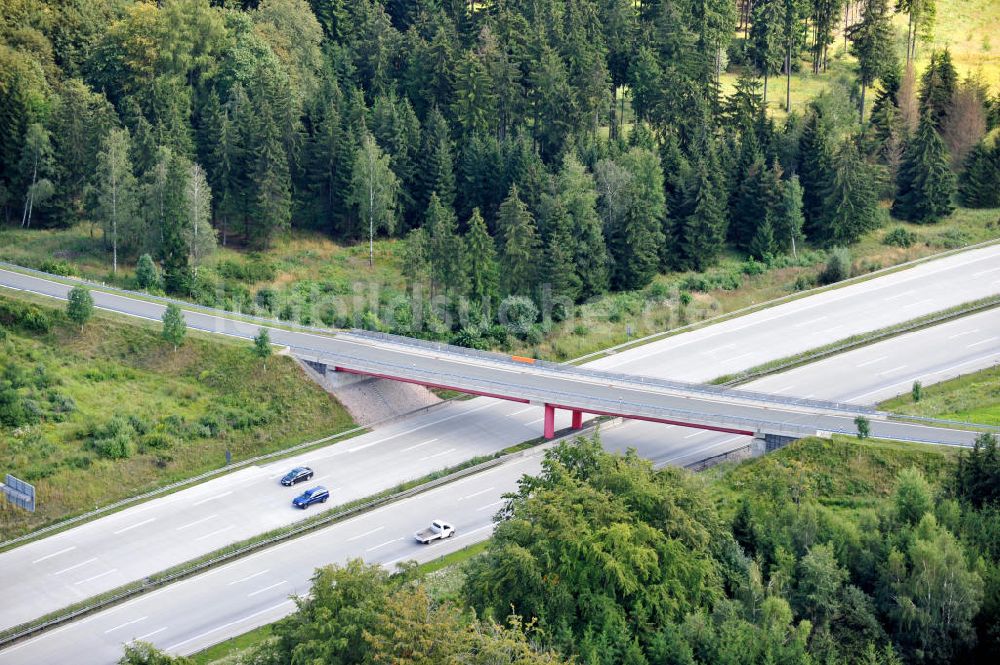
(823, 553)
(551, 150)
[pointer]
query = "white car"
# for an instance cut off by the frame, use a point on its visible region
(438, 530)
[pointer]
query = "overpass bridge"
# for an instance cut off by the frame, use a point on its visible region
(553, 386)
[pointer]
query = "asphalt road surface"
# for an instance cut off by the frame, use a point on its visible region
(230, 600)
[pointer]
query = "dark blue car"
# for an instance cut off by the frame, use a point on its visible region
(296, 475)
(318, 494)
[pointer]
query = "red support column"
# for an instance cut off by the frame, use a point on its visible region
(577, 419)
(550, 421)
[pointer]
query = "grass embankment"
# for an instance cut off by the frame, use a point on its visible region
(973, 398)
(95, 415)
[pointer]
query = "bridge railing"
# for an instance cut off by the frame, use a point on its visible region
(629, 379)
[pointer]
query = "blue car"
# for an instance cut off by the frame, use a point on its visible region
(296, 475)
(318, 494)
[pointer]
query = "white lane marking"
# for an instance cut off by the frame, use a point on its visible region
(366, 533)
(250, 577)
(49, 556)
(215, 533)
(388, 542)
(810, 322)
(489, 505)
(521, 411)
(704, 448)
(79, 565)
(267, 588)
(404, 450)
(781, 390)
(173, 647)
(980, 343)
(135, 526)
(197, 522)
(742, 355)
(917, 304)
(475, 494)
(127, 623)
(984, 272)
(362, 447)
(97, 577)
(537, 420)
(143, 637)
(872, 362)
(443, 452)
(894, 369)
(907, 381)
(212, 498)
(898, 296)
(963, 334)
(701, 431)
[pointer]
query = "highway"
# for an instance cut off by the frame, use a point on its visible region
(573, 388)
(153, 536)
(196, 613)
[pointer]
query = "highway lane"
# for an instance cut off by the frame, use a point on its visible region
(194, 614)
(534, 383)
(811, 322)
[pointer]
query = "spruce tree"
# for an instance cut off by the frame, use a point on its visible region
(704, 227)
(444, 246)
(755, 198)
(636, 243)
(519, 257)
(926, 184)
(762, 244)
(173, 247)
(578, 195)
(872, 42)
(815, 173)
(272, 205)
(481, 271)
(437, 168)
(559, 270)
(980, 181)
(851, 201)
(937, 86)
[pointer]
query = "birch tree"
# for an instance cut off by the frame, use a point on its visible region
(199, 235)
(36, 155)
(374, 191)
(116, 186)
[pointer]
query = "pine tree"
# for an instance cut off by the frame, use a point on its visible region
(444, 246)
(520, 247)
(872, 41)
(272, 206)
(765, 38)
(980, 180)
(704, 227)
(937, 86)
(851, 201)
(559, 269)
(481, 271)
(815, 172)
(926, 184)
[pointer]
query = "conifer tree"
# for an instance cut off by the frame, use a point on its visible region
(272, 205)
(815, 172)
(704, 227)
(416, 265)
(636, 242)
(174, 218)
(762, 244)
(755, 198)
(980, 180)
(578, 195)
(926, 184)
(559, 269)
(520, 247)
(437, 168)
(765, 38)
(937, 86)
(872, 42)
(851, 201)
(481, 272)
(444, 246)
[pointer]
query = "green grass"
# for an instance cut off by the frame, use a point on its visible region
(114, 367)
(841, 472)
(973, 398)
(231, 649)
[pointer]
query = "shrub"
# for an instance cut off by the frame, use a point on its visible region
(518, 313)
(58, 267)
(119, 446)
(157, 441)
(900, 237)
(951, 239)
(267, 299)
(25, 316)
(753, 267)
(147, 275)
(535, 335)
(253, 271)
(838, 266)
